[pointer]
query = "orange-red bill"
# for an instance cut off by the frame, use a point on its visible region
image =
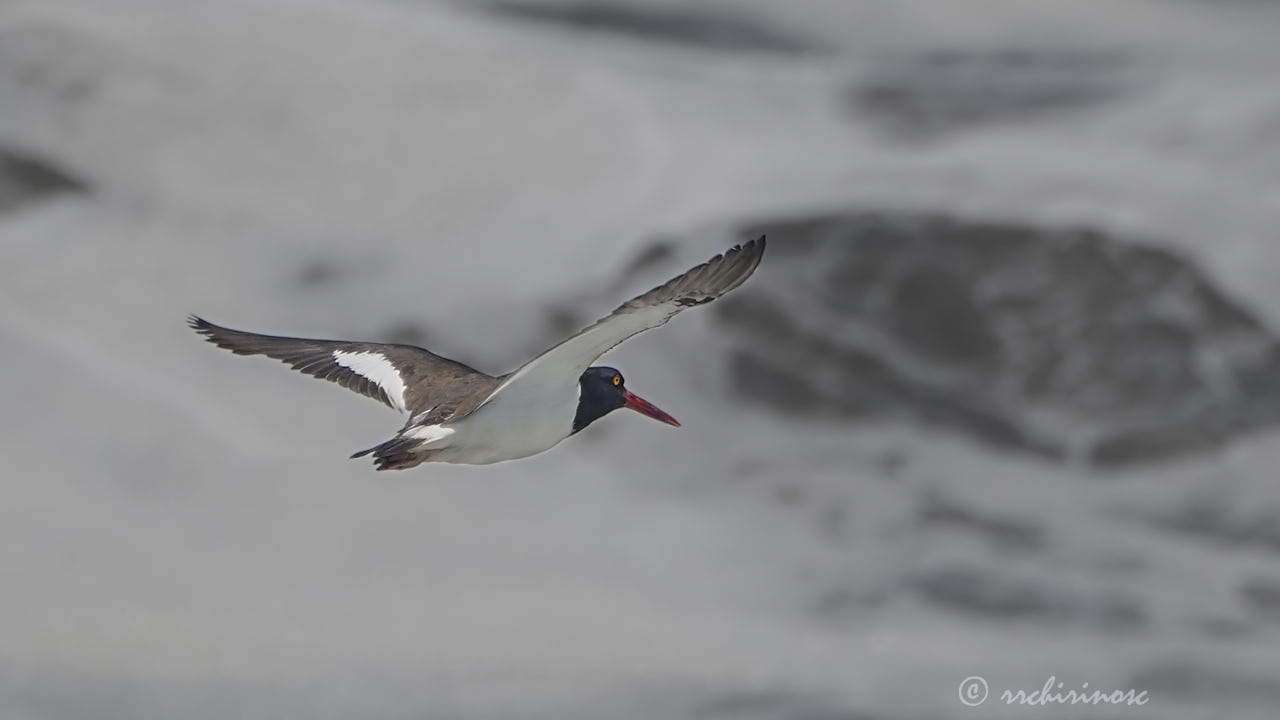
(644, 407)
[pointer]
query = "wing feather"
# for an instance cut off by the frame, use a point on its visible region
(403, 377)
(566, 362)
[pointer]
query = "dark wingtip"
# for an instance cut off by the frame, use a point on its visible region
(749, 247)
(201, 326)
(754, 249)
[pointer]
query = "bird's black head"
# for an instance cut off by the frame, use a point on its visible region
(602, 390)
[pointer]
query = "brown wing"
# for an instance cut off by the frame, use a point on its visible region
(404, 377)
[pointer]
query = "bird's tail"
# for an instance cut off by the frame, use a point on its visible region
(398, 453)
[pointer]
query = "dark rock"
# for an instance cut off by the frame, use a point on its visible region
(1067, 343)
(703, 27)
(848, 382)
(938, 92)
(25, 179)
(937, 316)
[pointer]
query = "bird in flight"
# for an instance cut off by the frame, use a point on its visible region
(458, 414)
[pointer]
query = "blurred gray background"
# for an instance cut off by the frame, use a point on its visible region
(1002, 400)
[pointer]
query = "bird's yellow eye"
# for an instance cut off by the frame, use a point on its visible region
(617, 380)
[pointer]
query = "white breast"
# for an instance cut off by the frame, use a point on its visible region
(515, 423)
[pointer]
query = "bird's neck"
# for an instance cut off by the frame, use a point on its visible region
(591, 407)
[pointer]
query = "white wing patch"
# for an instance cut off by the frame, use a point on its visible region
(377, 368)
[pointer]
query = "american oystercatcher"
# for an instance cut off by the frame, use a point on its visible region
(460, 415)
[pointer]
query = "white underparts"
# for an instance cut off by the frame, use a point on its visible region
(377, 368)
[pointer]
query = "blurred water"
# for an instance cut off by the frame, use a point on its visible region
(182, 536)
